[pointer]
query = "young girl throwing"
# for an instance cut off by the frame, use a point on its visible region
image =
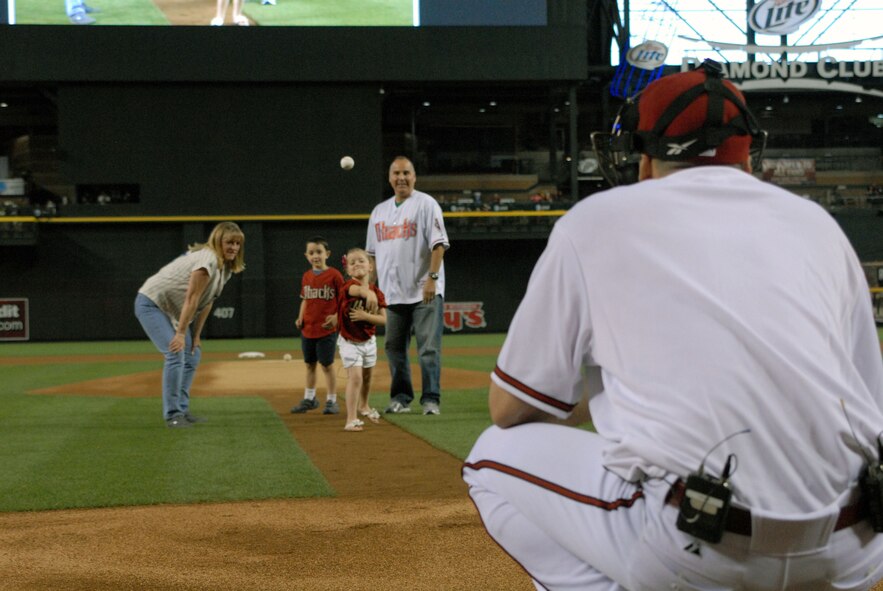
(357, 342)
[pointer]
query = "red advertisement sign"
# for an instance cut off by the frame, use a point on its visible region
(14, 320)
(460, 315)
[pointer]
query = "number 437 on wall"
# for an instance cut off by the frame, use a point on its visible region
(224, 313)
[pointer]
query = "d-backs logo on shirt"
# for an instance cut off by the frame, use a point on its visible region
(357, 304)
(326, 292)
(407, 229)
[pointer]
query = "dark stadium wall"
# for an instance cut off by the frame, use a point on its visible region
(81, 279)
(40, 53)
(204, 149)
(235, 121)
(864, 228)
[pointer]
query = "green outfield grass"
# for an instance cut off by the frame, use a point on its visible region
(311, 13)
(80, 451)
(141, 346)
(463, 417)
(321, 13)
(112, 12)
(65, 452)
(464, 412)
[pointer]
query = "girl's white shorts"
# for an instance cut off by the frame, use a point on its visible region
(354, 354)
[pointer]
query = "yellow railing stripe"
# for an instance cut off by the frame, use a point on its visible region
(257, 218)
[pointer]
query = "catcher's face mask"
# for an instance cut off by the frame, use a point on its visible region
(619, 151)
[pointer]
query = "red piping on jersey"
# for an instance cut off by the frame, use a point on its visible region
(545, 399)
(555, 488)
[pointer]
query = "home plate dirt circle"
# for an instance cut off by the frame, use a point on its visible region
(402, 519)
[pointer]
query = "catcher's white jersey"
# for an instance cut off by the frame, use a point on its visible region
(401, 238)
(708, 312)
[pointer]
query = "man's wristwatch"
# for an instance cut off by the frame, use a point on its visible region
(433, 276)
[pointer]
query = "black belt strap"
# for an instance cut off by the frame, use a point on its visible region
(739, 520)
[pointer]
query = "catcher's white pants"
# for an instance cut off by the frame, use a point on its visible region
(545, 497)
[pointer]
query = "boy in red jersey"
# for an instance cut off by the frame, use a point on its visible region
(357, 341)
(321, 287)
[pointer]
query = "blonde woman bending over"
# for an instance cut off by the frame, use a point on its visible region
(173, 305)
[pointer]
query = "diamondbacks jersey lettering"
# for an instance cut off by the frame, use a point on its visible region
(407, 229)
(398, 237)
(320, 291)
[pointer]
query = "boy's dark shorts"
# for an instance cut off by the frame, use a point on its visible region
(321, 350)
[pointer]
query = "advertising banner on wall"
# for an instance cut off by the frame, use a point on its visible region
(460, 315)
(780, 17)
(789, 171)
(14, 319)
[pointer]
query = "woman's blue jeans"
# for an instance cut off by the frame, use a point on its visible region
(179, 368)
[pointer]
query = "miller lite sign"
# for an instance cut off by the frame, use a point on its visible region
(460, 315)
(649, 55)
(14, 325)
(780, 17)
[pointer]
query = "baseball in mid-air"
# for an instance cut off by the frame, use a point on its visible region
(287, 357)
(347, 162)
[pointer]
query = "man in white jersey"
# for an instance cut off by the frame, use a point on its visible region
(407, 240)
(721, 331)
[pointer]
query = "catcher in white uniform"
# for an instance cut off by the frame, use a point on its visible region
(721, 331)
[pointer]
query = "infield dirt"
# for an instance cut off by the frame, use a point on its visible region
(188, 12)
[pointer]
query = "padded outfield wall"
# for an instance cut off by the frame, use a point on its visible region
(252, 120)
(250, 124)
(80, 280)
